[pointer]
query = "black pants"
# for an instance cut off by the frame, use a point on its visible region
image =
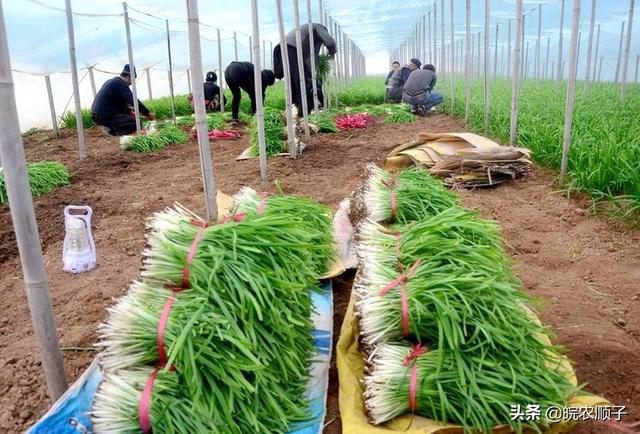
(119, 124)
(237, 80)
(308, 80)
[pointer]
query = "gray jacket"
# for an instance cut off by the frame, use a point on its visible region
(420, 81)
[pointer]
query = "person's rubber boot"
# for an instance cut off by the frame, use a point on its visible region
(422, 111)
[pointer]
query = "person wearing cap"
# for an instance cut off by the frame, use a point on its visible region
(321, 37)
(211, 93)
(395, 86)
(113, 106)
(239, 76)
(419, 90)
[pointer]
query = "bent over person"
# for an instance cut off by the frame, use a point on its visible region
(239, 75)
(321, 37)
(212, 97)
(113, 105)
(419, 90)
(395, 83)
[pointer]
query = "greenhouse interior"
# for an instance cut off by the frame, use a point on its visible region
(320, 216)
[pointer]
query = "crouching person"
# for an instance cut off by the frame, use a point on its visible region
(419, 90)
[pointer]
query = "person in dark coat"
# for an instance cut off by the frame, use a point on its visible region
(212, 96)
(419, 90)
(394, 67)
(321, 37)
(113, 106)
(239, 75)
(395, 85)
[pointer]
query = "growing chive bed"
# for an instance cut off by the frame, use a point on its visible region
(44, 177)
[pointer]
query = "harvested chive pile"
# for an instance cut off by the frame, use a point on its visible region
(215, 121)
(44, 177)
(274, 132)
(325, 121)
(436, 300)
(238, 337)
(154, 139)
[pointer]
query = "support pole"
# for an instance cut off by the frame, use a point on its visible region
(627, 44)
(250, 50)
(74, 79)
(189, 81)
(206, 163)
(435, 36)
(149, 83)
(546, 63)
(170, 72)
(452, 59)
(467, 62)
(495, 52)
(303, 84)
(93, 82)
(235, 46)
(559, 62)
(509, 50)
(573, 67)
(132, 68)
(26, 228)
(221, 71)
(595, 57)
(314, 82)
(637, 64)
(600, 69)
(431, 51)
(443, 58)
(515, 78)
(485, 68)
(523, 56)
(257, 78)
(52, 107)
(284, 54)
(592, 24)
(536, 67)
(620, 52)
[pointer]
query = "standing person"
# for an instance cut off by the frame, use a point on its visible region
(399, 78)
(212, 96)
(321, 37)
(418, 90)
(394, 67)
(239, 75)
(113, 106)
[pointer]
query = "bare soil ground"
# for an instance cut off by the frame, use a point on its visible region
(585, 268)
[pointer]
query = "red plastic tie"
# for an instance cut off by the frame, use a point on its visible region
(233, 218)
(144, 407)
(394, 205)
(416, 351)
(398, 248)
(263, 203)
(192, 251)
(400, 279)
(162, 324)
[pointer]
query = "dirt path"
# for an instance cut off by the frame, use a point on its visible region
(586, 268)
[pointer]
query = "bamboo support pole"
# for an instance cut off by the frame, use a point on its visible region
(74, 80)
(515, 78)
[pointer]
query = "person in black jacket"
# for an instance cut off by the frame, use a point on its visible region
(321, 37)
(113, 105)
(211, 93)
(239, 75)
(394, 67)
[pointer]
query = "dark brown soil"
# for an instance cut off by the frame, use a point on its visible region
(586, 268)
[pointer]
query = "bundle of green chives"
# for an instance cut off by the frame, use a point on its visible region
(274, 132)
(44, 177)
(115, 407)
(408, 196)
(314, 217)
(154, 139)
(456, 388)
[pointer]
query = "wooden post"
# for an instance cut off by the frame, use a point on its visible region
(52, 107)
(435, 35)
(314, 83)
(625, 62)
(526, 61)
(559, 62)
(467, 62)
(235, 46)
(536, 67)
(595, 57)
(425, 47)
(189, 80)
(134, 88)
(600, 69)
(26, 228)
(546, 63)
(515, 86)
(592, 24)
(93, 82)
(579, 46)
(485, 68)
(303, 84)
(473, 56)
(74, 79)
(452, 59)
(257, 78)
(221, 72)
(250, 50)
(195, 61)
(495, 54)
(479, 55)
(284, 54)
(431, 51)
(443, 57)
(620, 52)
(170, 72)
(149, 83)
(573, 66)
(524, 26)
(263, 61)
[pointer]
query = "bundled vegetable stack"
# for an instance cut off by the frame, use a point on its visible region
(444, 323)
(216, 337)
(274, 133)
(44, 177)
(154, 138)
